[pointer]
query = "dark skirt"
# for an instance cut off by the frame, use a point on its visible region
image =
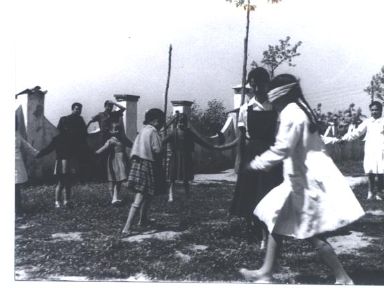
(252, 186)
(66, 167)
(181, 166)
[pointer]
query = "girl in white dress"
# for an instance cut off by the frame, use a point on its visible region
(307, 203)
(373, 129)
(116, 162)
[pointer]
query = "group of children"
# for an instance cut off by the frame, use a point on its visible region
(144, 175)
(287, 184)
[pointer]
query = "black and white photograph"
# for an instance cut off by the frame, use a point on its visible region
(195, 142)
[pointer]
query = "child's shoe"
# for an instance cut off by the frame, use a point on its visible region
(377, 197)
(57, 204)
(67, 204)
(116, 202)
(146, 223)
(370, 195)
(126, 233)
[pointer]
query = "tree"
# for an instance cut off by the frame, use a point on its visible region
(376, 87)
(214, 117)
(248, 7)
(195, 117)
(241, 2)
(209, 121)
(276, 55)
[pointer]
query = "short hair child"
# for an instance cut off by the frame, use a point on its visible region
(143, 177)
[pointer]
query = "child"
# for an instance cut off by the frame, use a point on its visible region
(21, 176)
(257, 124)
(65, 165)
(373, 129)
(143, 177)
(116, 162)
(182, 140)
(307, 203)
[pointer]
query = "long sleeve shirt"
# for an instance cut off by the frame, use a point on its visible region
(147, 143)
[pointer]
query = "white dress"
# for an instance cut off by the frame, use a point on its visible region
(21, 175)
(374, 143)
(314, 196)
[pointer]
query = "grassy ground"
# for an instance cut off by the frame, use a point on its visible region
(209, 246)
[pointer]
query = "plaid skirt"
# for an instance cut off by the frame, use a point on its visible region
(141, 176)
(146, 177)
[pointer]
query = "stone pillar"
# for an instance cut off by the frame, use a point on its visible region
(237, 99)
(36, 132)
(235, 114)
(130, 114)
(237, 95)
(35, 122)
(182, 107)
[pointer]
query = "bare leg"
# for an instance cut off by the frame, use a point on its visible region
(329, 257)
(371, 186)
(264, 274)
(67, 191)
(143, 220)
(170, 194)
(116, 192)
(111, 188)
(132, 212)
(58, 190)
(380, 183)
(264, 238)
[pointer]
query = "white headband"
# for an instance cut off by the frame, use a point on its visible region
(278, 92)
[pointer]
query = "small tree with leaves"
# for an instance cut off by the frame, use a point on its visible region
(276, 55)
(209, 121)
(214, 117)
(376, 88)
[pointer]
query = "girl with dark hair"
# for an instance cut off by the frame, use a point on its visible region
(145, 176)
(117, 161)
(373, 129)
(257, 123)
(307, 203)
(182, 140)
(66, 164)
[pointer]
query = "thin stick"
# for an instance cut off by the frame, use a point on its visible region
(241, 143)
(167, 86)
(245, 59)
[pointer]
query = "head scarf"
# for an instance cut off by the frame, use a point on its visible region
(279, 92)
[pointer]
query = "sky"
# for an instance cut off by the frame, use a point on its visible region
(89, 50)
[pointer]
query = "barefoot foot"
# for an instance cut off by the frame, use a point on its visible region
(256, 276)
(344, 282)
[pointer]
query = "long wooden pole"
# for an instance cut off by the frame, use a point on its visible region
(241, 143)
(167, 86)
(245, 58)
